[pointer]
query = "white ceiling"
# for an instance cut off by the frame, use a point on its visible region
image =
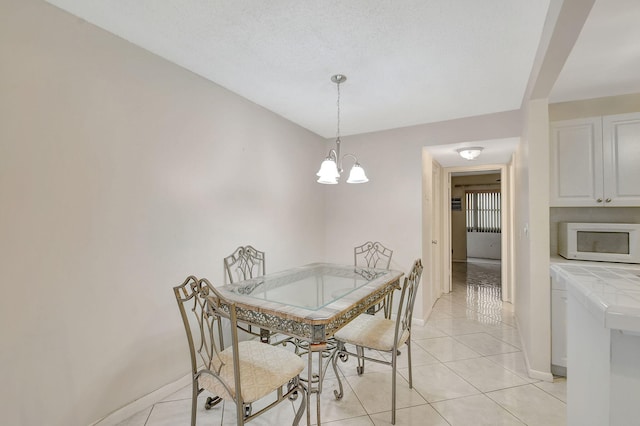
(605, 60)
(408, 62)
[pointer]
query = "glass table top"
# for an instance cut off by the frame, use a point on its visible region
(310, 287)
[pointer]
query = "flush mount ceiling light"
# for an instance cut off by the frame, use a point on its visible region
(470, 153)
(331, 167)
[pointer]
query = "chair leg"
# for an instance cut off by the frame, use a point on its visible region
(360, 367)
(409, 361)
(388, 306)
(239, 412)
(337, 353)
(394, 359)
(265, 335)
(211, 402)
(303, 403)
(194, 401)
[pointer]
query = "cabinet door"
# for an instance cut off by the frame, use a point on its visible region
(576, 163)
(559, 327)
(621, 150)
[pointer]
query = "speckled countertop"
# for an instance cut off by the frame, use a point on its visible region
(610, 293)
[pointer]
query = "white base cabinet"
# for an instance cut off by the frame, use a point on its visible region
(604, 384)
(558, 331)
(595, 161)
(588, 387)
(603, 343)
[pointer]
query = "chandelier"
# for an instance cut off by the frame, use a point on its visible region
(331, 167)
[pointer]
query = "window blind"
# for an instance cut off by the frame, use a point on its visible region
(483, 211)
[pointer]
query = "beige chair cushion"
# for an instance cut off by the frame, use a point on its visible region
(371, 331)
(263, 369)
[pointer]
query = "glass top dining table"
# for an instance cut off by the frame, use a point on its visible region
(310, 302)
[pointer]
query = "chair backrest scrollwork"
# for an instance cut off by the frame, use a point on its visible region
(372, 255)
(201, 323)
(244, 263)
(203, 309)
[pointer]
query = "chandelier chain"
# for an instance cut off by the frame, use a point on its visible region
(331, 167)
(338, 103)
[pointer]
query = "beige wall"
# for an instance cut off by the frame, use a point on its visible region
(459, 185)
(595, 107)
(390, 207)
(531, 216)
(120, 174)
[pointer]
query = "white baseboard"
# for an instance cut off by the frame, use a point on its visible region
(145, 402)
(534, 374)
(540, 375)
(418, 321)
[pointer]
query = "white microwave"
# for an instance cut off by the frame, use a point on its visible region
(604, 242)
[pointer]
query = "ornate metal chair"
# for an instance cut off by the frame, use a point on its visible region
(372, 255)
(375, 255)
(243, 372)
(381, 334)
(244, 263)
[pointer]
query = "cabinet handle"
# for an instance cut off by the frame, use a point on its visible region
(599, 200)
(608, 200)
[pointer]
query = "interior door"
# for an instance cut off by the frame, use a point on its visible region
(428, 298)
(436, 232)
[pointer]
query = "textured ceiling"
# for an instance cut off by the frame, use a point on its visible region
(408, 62)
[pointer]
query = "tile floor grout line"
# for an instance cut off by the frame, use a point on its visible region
(506, 409)
(545, 391)
(149, 415)
(510, 370)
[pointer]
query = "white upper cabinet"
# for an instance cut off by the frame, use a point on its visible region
(576, 163)
(621, 149)
(595, 161)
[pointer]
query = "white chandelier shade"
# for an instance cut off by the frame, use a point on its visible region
(331, 167)
(328, 173)
(357, 175)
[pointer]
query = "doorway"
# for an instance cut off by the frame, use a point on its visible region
(478, 234)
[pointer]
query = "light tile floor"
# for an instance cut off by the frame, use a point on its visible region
(468, 369)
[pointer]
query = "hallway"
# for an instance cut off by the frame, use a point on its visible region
(468, 370)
